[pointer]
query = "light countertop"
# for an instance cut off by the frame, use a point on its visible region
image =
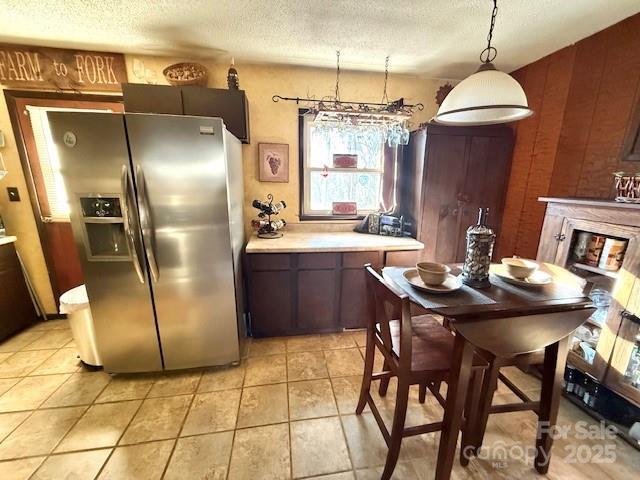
(8, 239)
(301, 242)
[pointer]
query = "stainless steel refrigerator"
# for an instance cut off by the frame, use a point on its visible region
(156, 212)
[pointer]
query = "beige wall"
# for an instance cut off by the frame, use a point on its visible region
(270, 122)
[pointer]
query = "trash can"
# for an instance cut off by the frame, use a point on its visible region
(75, 303)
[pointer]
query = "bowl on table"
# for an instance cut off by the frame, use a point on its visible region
(433, 273)
(520, 267)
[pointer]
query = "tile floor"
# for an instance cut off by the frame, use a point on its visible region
(286, 412)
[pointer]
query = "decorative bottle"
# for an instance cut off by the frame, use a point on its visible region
(480, 241)
(233, 81)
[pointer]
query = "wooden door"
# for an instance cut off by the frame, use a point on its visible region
(488, 166)
(354, 292)
(611, 292)
(444, 183)
(270, 294)
(16, 308)
(550, 238)
(56, 236)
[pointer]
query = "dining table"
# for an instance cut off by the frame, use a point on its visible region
(502, 299)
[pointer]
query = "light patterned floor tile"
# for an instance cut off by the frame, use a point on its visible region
(266, 346)
(261, 452)
(318, 447)
(20, 340)
(101, 426)
(157, 419)
(143, 461)
(126, 387)
(52, 339)
(311, 399)
(9, 421)
(7, 383)
(347, 393)
(20, 469)
(263, 405)
(40, 433)
(176, 383)
(30, 392)
(65, 360)
(306, 366)
(221, 378)
(344, 362)
(265, 370)
(212, 412)
(21, 364)
(80, 389)
(80, 465)
(60, 324)
(203, 456)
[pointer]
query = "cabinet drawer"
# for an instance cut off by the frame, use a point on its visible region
(359, 259)
(314, 261)
(407, 258)
(269, 261)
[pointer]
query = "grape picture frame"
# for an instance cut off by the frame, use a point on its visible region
(273, 162)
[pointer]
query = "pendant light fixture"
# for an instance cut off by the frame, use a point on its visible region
(487, 97)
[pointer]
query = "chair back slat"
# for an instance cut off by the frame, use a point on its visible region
(388, 304)
(526, 334)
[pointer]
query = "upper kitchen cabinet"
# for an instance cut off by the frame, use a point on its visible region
(230, 105)
(631, 146)
(448, 173)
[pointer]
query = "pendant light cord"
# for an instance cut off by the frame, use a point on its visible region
(337, 96)
(490, 53)
(385, 98)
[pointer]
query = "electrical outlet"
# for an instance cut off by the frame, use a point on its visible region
(14, 195)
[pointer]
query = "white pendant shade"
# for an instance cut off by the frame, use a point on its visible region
(487, 97)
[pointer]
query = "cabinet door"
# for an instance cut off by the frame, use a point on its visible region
(446, 168)
(488, 165)
(549, 238)
(354, 299)
(317, 292)
(270, 295)
(593, 343)
(16, 308)
(140, 98)
(230, 105)
(623, 374)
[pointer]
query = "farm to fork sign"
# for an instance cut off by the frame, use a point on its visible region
(61, 69)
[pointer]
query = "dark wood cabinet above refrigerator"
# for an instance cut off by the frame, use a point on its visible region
(230, 105)
(447, 174)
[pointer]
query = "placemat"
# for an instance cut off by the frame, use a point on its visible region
(465, 296)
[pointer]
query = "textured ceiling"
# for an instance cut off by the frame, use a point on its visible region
(434, 38)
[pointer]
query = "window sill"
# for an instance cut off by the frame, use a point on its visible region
(348, 218)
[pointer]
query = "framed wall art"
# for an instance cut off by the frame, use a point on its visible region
(273, 162)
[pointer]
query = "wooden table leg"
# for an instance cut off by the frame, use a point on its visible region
(489, 386)
(456, 395)
(555, 359)
(471, 411)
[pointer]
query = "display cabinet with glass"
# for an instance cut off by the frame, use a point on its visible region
(599, 241)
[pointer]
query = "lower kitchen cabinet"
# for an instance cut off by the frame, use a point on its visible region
(298, 293)
(16, 307)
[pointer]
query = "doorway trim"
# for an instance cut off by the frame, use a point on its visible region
(11, 97)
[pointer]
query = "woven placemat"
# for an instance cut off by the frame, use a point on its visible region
(465, 296)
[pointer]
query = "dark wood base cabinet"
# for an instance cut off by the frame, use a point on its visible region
(16, 308)
(298, 293)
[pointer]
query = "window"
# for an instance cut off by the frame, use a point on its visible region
(324, 184)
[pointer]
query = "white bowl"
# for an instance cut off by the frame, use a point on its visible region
(520, 267)
(433, 273)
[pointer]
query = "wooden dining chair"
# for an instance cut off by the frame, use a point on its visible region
(516, 340)
(416, 350)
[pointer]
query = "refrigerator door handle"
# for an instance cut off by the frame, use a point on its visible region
(148, 232)
(125, 186)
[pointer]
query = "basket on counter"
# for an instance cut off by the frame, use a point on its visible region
(186, 73)
(627, 187)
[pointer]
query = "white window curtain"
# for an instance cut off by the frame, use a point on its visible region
(49, 163)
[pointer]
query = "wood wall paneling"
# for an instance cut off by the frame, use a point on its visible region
(583, 98)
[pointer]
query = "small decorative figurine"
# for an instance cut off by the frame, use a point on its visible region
(480, 240)
(266, 227)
